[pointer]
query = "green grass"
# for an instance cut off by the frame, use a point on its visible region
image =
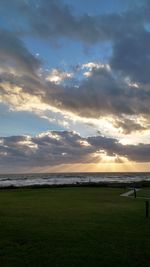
(73, 227)
(145, 193)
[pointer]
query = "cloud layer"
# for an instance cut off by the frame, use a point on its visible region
(103, 92)
(118, 90)
(55, 147)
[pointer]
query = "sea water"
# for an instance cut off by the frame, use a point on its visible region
(18, 180)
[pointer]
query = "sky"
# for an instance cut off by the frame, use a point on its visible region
(74, 86)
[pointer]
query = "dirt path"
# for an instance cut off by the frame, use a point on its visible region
(129, 193)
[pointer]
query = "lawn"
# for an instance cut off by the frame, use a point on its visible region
(145, 193)
(67, 227)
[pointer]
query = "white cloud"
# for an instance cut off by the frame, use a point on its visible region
(57, 76)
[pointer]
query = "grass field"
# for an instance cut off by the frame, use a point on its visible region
(145, 193)
(73, 227)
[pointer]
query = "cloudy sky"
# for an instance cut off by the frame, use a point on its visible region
(74, 85)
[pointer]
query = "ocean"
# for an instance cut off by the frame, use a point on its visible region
(37, 179)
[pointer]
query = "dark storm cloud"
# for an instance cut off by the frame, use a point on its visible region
(50, 19)
(13, 54)
(131, 56)
(56, 148)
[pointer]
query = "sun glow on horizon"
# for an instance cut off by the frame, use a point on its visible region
(94, 167)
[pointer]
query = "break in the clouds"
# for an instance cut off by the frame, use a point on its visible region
(74, 67)
(55, 148)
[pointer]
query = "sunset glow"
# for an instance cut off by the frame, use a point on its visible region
(74, 86)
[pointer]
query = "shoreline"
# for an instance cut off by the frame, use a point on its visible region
(108, 184)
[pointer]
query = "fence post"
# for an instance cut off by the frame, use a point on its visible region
(147, 208)
(134, 192)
